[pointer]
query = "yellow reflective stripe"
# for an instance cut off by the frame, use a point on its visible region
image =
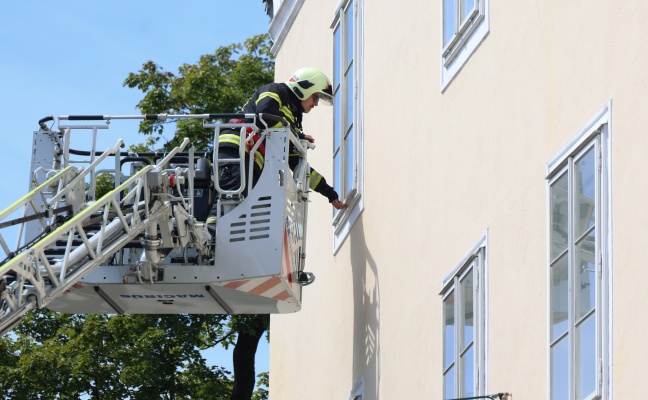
(288, 114)
(315, 179)
(283, 109)
(272, 95)
(229, 138)
(24, 200)
(258, 159)
(234, 139)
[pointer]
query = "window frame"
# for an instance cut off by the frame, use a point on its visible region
(475, 260)
(347, 66)
(469, 33)
(595, 135)
(357, 393)
(284, 15)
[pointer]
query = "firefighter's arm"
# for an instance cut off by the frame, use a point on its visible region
(318, 184)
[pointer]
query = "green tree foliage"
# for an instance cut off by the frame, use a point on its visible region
(57, 355)
(61, 356)
(105, 183)
(219, 83)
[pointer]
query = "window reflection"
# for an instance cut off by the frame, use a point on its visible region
(559, 371)
(585, 170)
(467, 291)
(586, 276)
(350, 104)
(559, 218)
(449, 329)
(559, 298)
(350, 178)
(349, 32)
(468, 372)
(467, 6)
(586, 358)
(449, 384)
(449, 24)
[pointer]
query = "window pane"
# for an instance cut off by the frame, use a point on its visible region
(586, 358)
(337, 62)
(559, 221)
(467, 293)
(467, 6)
(350, 163)
(350, 34)
(468, 373)
(449, 384)
(449, 330)
(337, 167)
(559, 298)
(449, 23)
(585, 170)
(337, 122)
(559, 371)
(349, 98)
(585, 276)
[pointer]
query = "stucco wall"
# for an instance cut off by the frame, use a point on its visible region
(443, 168)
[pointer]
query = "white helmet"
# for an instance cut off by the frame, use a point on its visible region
(306, 81)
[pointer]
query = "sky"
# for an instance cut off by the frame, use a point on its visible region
(71, 57)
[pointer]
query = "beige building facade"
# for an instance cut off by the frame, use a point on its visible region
(494, 156)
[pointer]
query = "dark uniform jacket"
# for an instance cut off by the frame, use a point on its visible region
(278, 99)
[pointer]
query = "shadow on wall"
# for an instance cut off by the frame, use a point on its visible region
(366, 314)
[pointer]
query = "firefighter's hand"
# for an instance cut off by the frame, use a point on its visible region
(338, 204)
(309, 138)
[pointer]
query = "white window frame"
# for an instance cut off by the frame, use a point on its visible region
(358, 390)
(595, 134)
(467, 37)
(285, 12)
(343, 220)
(475, 259)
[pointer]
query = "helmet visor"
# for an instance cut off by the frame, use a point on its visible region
(326, 95)
(324, 98)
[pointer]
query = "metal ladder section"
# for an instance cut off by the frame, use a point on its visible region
(28, 279)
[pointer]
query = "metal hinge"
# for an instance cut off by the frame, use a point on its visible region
(600, 157)
(600, 377)
(600, 264)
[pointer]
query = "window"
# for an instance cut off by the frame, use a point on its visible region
(347, 128)
(465, 25)
(579, 268)
(464, 326)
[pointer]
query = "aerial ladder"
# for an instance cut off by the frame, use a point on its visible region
(145, 247)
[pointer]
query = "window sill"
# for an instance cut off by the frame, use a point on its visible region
(345, 220)
(455, 55)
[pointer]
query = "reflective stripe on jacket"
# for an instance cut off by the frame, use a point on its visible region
(231, 139)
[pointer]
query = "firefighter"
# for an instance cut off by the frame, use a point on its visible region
(290, 100)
